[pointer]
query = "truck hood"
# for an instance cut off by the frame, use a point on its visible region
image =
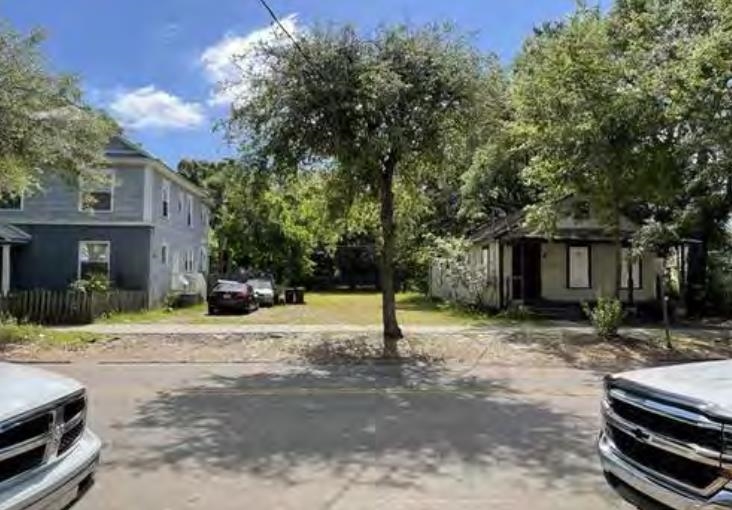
(24, 388)
(706, 386)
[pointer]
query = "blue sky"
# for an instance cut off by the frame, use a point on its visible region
(153, 63)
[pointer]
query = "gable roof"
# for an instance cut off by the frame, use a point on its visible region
(120, 147)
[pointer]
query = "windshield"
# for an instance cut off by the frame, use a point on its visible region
(229, 287)
(260, 284)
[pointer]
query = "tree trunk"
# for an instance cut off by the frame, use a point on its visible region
(630, 282)
(392, 332)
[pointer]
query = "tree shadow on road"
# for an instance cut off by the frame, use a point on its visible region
(384, 424)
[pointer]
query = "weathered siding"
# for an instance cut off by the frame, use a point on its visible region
(443, 287)
(50, 260)
(554, 274)
(174, 232)
(58, 201)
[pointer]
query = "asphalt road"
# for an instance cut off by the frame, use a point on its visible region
(233, 436)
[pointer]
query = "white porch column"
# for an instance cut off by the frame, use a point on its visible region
(5, 270)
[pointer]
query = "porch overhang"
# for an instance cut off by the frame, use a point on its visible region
(568, 235)
(10, 234)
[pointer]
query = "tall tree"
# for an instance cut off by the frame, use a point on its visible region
(585, 119)
(682, 53)
(380, 107)
(44, 126)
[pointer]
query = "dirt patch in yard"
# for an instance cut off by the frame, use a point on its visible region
(636, 350)
(512, 346)
(313, 348)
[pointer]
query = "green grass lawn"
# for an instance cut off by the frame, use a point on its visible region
(358, 308)
(17, 334)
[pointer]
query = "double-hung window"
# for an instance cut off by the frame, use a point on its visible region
(189, 211)
(96, 192)
(203, 260)
(190, 261)
(579, 267)
(165, 198)
(10, 202)
(93, 259)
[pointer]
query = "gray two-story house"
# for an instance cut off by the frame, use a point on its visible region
(142, 225)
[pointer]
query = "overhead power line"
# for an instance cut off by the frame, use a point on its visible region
(287, 33)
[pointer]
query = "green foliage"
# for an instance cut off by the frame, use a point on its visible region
(460, 269)
(272, 224)
(13, 333)
(365, 111)
(719, 295)
(606, 317)
(94, 283)
(45, 126)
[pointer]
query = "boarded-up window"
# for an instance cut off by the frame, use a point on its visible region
(578, 267)
(637, 274)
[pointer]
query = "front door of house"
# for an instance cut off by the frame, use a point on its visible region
(527, 270)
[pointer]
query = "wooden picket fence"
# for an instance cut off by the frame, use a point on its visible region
(40, 306)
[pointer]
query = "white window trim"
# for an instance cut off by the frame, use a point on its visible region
(189, 261)
(19, 209)
(165, 198)
(189, 210)
(167, 254)
(180, 201)
(112, 183)
(203, 259)
(90, 241)
(176, 262)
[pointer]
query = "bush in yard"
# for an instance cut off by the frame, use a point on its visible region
(606, 317)
(94, 283)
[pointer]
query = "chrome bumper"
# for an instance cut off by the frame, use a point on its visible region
(50, 486)
(640, 482)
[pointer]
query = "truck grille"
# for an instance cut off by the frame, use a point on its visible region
(679, 468)
(667, 426)
(36, 438)
(673, 442)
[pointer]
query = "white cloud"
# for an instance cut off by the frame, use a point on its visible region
(148, 107)
(228, 62)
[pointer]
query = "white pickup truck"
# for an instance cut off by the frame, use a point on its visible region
(666, 441)
(47, 454)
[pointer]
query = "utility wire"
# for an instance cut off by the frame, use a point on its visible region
(287, 33)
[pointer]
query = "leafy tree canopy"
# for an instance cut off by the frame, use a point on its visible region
(366, 110)
(44, 126)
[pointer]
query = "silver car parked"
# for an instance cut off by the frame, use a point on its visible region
(48, 456)
(264, 291)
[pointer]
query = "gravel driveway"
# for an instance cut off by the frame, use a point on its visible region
(303, 436)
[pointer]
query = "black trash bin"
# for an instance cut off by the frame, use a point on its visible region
(290, 296)
(300, 296)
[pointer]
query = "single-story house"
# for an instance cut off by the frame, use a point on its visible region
(574, 265)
